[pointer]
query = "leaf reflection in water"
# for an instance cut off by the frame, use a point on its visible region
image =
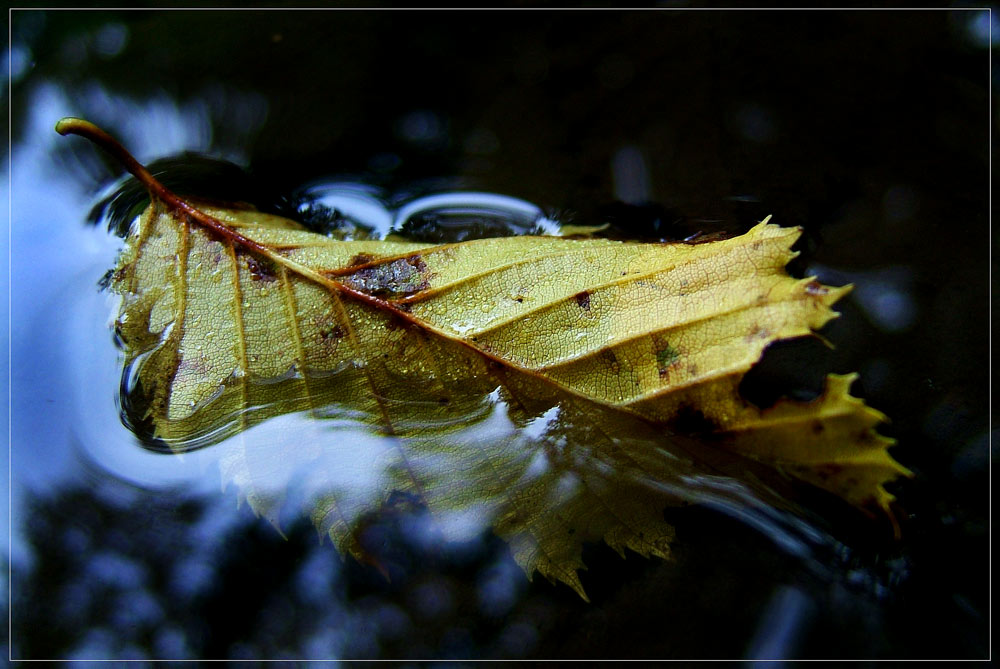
(542, 489)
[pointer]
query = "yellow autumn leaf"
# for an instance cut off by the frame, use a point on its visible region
(597, 366)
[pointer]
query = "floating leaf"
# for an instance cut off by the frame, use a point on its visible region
(533, 384)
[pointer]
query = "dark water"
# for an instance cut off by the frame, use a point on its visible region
(869, 129)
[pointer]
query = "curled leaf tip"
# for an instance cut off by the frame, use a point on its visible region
(114, 148)
(71, 125)
(97, 135)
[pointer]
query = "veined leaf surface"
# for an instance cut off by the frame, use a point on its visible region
(586, 359)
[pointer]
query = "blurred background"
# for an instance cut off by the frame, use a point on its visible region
(868, 129)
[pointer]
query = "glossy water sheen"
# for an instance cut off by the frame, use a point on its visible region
(334, 450)
(868, 129)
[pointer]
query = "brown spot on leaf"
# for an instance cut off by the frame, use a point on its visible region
(360, 259)
(260, 269)
(335, 332)
(394, 321)
(666, 355)
(816, 288)
(757, 332)
(583, 299)
(395, 278)
(418, 262)
(611, 359)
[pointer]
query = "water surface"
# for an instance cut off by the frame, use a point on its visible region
(865, 128)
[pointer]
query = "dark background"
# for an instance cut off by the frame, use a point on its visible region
(868, 129)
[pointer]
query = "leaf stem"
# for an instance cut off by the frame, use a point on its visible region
(87, 130)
